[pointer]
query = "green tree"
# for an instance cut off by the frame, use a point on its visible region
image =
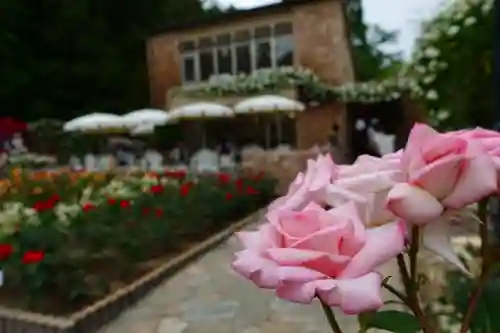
(453, 64)
(63, 58)
(370, 60)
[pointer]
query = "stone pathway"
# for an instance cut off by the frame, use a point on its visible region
(207, 296)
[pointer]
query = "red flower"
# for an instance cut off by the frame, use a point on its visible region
(185, 188)
(41, 206)
(124, 203)
(146, 211)
(111, 201)
(5, 251)
(177, 174)
(158, 212)
(229, 196)
(88, 207)
(224, 178)
(156, 189)
(251, 191)
(55, 198)
(239, 185)
(32, 257)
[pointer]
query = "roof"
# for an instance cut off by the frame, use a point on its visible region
(236, 15)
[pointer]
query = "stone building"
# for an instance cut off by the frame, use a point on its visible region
(308, 34)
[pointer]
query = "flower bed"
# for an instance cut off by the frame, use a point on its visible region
(68, 239)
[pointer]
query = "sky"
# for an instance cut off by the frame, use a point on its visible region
(401, 15)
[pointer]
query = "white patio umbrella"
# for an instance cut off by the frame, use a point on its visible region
(269, 104)
(152, 117)
(201, 111)
(95, 121)
(143, 129)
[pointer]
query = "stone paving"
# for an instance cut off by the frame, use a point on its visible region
(207, 296)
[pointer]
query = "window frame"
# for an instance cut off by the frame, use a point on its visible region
(233, 43)
(195, 56)
(257, 40)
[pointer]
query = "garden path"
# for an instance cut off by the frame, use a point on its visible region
(207, 296)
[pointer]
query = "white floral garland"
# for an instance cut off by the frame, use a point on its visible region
(273, 80)
(427, 63)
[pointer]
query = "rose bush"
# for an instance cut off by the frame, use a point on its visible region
(60, 231)
(337, 224)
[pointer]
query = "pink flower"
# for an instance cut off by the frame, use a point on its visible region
(367, 182)
(318, 253)
(307, 186)
(489, 139)
(445, 173)
(442, 172)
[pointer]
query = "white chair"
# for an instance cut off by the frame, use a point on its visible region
(105, 162)
(75, 163)
(143, 163)
(227, 162)
(205, 161)
(90, 162)
(154, 160)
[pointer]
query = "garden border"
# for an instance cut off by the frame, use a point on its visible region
(103, 311)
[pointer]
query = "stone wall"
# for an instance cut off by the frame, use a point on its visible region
(164, 65)
(321, 41)
(313, 126)
(282, 165)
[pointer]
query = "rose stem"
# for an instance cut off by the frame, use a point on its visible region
(395, 292)
(331, 318)
(412, 297)
(415, 243)
(485, 266)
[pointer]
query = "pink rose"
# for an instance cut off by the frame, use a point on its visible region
(443, 172)
(318, 253)
(307, 186)
(489, 139)
(367, 181)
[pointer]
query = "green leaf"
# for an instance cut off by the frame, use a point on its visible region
(393, 321)
(364, 320)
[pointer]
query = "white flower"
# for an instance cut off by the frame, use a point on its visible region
(429, 79)
(420, 69)
(431, 95)
(470, 21)
(453, 30)
(431, 52)
(443, 115)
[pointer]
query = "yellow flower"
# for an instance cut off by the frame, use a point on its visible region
(16, 172)
(37, 190)
(99, 177)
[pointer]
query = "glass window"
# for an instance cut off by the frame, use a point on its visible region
(224, 61)
(243, 59)
(263, 54)
(188, 69)
(206, 65)
(284, 50)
